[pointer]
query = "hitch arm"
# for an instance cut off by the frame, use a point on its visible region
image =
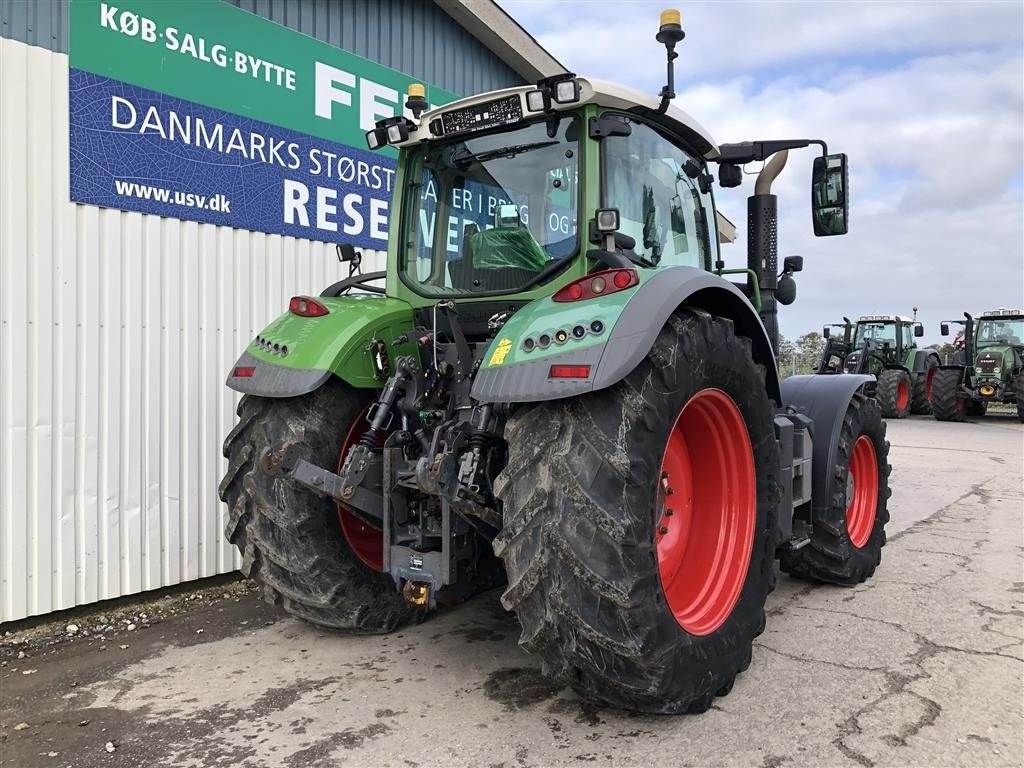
(367, 506)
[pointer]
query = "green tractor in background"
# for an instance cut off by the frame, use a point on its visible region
(884, 347)
(989, 368)
(559, 388)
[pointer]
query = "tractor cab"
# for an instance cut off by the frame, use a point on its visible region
(518, 193)
(881, 341)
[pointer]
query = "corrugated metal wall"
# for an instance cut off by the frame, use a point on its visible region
(116, 333)
(412, 36)
(117, 329)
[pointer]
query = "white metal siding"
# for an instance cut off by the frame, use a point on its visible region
(118, 330)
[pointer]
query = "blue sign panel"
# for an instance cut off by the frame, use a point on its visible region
(140, 150)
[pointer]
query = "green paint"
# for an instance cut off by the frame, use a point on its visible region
(193, 50)
(545, 316)
(338, 341)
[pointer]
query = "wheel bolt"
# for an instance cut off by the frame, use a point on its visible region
(663, 530)
(669, 491)
(668, 513)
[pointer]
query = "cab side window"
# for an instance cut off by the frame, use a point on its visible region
(659, 190)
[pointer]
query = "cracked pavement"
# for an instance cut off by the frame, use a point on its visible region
(920, 666)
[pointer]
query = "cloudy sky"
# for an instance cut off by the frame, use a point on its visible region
(927, 99)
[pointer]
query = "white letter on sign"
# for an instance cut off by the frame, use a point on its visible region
(115, 102)
(375, 101)
(326, 91)
(296, 195)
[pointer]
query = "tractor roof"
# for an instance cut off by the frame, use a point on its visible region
(1003, 312)
(592, 91)
(884, 319)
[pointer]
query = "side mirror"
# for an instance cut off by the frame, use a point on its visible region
(826, 332)
(793, 264)
(829, 203)
(785, 291)
(918, 330)
(944, 329)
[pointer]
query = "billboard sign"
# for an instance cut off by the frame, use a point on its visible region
(205, 112)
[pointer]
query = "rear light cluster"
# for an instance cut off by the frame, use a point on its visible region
(303, 306)
(569, 372)
(271, 347)
(562, 335)
(244, 372)
(598, 284)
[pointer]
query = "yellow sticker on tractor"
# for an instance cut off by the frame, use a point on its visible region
(501, 352)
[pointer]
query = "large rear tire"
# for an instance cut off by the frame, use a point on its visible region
(1019, 390)
(291, 542)
(846, 546)
(601, 575)
(894, 393)
(947, 403)
(921, 402)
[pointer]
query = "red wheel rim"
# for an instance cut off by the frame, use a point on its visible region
(862, 491)
(928, 384)
(902, 394)
(708, 509)
(365, 540)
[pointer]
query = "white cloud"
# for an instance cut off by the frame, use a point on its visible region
(926, 99)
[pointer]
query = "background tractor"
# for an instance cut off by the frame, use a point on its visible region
(989, 368)
(589, 414)
(883, 346)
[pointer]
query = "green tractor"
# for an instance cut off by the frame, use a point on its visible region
(589, 414)
(989, 368)
(884, 347)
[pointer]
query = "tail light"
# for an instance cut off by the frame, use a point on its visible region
(244, 372)
(597, 284)
(303, 306)
(569, 372)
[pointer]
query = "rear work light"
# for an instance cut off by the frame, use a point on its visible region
(597, 284)
(303, 306)
(569, 372)
(244, 373)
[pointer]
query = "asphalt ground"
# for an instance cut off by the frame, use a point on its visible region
(920, 666)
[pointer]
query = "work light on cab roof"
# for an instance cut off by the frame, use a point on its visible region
(557, 387)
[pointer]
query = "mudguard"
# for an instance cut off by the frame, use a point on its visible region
(516, 369)
(921, 359)
(824, 399)
(295, 355)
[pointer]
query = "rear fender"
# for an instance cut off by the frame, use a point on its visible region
(631, 321)
(921, 357)
(337, 344)
(824, 399)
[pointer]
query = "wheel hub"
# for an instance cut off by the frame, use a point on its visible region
(707, 509)
(861, 491)
(366, 541)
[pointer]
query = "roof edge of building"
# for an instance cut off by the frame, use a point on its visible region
(494, 28)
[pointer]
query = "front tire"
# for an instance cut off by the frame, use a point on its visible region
(587, 496)
(947, 402)
(893, 393)
(846, 546)
(291, 541)
(921, 401)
